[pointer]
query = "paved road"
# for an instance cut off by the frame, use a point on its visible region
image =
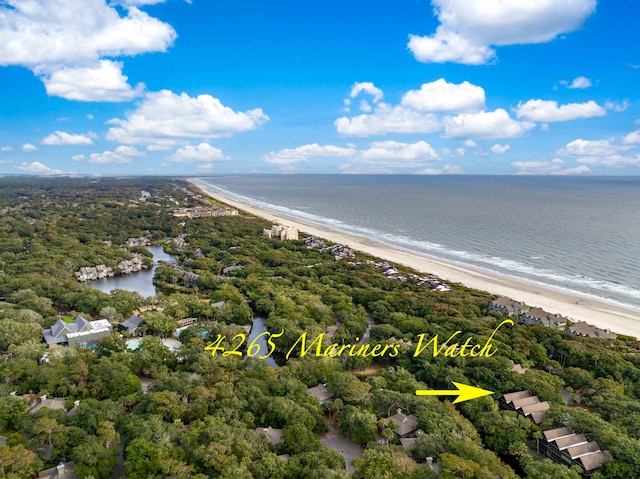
(348, 449)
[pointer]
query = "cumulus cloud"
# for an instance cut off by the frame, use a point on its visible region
(582, 147)
(400, 153)
(617, 107)
(63, 138)
(387, 119)
(304, 153)
(499, 149)
(37, 168)
(164, 119)
(553, 167)
(470, 28)
(446, 169)
(123, 154)
(632, 138)
(65, 42)
(366, 87)
(600, 152)
(6, 148)
(29, 147)
(580, 83)
(201, 152)
(78, 158)
(102, 82)
(443, 97)
(486, 124)
(549, 111)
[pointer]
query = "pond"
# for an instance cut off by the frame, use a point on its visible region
(139, 282)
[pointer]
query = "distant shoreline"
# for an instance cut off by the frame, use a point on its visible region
(578, 308)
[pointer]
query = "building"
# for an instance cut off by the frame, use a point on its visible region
(321, 393)
(525, 404)
(567, 447)
(64, 470)
(407, 424)
(587, 331)
(131, 265)
(540, 316)
(508, 306)
(131, 325)
(91, 273)
(274, 435)
(281, 232)
(79, 332)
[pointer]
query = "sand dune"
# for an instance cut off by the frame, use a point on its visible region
(579, 308)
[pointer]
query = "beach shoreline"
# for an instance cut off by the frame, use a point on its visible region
(574, 306)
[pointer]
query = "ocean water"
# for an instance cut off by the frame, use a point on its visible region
(577, 234)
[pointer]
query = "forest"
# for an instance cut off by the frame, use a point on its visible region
(151, 412)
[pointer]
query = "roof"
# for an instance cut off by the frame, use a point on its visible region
(595, 460)
(517, 403)
(552, 434)
(61, 331)
(408, 441)
(583, 449)
(66, 469)
(406, 424)
(510, 397)
(132, 323)
(536, 407)
(320, 393)
(53, 403)
(568, 441)
(274, 435)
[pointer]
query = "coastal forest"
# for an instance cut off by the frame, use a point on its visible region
(195, 412)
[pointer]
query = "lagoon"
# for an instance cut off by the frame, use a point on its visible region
(139, 282)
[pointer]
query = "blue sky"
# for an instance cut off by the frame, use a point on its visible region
(413, 87)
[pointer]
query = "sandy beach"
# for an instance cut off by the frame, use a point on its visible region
(598, 313)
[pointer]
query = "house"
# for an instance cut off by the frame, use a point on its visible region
(587, 331)
(131, 325)
(79, 332)
(91, 273)
(274, 435)
(64, 470)
(540, 316)
(51, 403)
(281, 232)
(408, 441)
(407, 424)
(321, 393)
(508, 306)
(525, 404)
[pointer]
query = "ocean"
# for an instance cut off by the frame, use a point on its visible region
(576, 234)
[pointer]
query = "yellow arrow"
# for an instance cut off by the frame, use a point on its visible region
(464, 392)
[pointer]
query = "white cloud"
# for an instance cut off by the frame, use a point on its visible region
(553, 167)
(470, 144)
(549, 111)
(123, 154)
(29, 147)
(90, 116)
(486, 124)
(366, 87)
(469, 28)
(38, 168)
(303, 153)
(63, 138)
(164, 118)
(64, 40)
(78, 158)
(582, 147)
(617, 107)
(616, 161)
(101, 82)
(442, 97)
(365, 107)
(6, 148)
(580, 83)
(387, 119)
(632, 138)
(398, 152)
(201, 152)
(499, 149)
(446, 169)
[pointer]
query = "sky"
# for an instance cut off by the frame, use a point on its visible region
(207, 87)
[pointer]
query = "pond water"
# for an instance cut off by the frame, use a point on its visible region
(139, 282)
(258, 327)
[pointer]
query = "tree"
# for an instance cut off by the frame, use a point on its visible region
(12, 410)
(17, 462)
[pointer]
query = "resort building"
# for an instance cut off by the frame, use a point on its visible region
(525, 404)
(540, 316)
(274, 435)
(587, 331)
(508, 306)
(567, 447)
(204, 212)
(321, 393)
(79, 332)
(281, 232)
(131, 265)
(92, 273)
